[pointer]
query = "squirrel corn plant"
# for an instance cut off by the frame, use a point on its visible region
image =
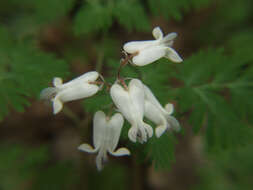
(134, 101)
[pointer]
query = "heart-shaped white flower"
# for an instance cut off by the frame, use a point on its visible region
(75, 89)
(159, 115)
(106, 133)
(130, 102)
(151, 50)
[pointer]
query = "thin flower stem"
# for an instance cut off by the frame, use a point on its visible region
(108, 85)
(122, 81)
(125, 62)
(109, 114)
(97, 82)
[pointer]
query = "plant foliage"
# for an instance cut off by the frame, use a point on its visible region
(25, 70)
(211, 89)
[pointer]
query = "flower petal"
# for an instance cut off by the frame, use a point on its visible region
(48, 93)
(157, 33)
(87, 148)
(142, 136)
(149, 55)
(101, 159)
(156, 116)
(78, 91)
(57, 105)
(153, 113)
(57, 81)
(99, 162)
(140, 133)
(132, 133)
(173, 122)
(99, 128)
(169, 108)
(89, 76)
(131, 104)
(173, 55)
(136, 93)
(115, 125)
(168, 39)
(122, 101)
(150, 97)
(148, 129)
(85, 78)
(121, 152)
(137, 46)
(159, 130)
(137, 98)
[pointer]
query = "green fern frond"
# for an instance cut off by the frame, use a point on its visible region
(211, 80)
(24, 70)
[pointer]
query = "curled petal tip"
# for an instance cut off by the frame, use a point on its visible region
(159, 131)
(149, 130)
(169, 108)
(121, 152)
(173, 56)
(57, 81)
(157, 33)
(57, 106)
(48, 93)
(132, 134)
(86, 148)
(99, 163)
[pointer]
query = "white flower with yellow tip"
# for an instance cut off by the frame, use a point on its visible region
(106, 133)
(130, 102)
(78, 88)
(159, 115)
(146, 52)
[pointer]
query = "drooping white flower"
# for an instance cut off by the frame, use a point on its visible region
(159, 115)
(75, 89)
(152, 50)
(106, 133)
(130, 102)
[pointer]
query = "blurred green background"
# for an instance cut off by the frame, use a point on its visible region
(211, 90)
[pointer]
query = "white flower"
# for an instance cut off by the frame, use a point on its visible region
(159, 115)
(152, 50)
(106, 133)
(75, 89)
(130, 102)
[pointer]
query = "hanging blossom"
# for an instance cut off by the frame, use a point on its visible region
(146, 52)
(106, 133)
(130, 102)
(159, 115)
(81, 87)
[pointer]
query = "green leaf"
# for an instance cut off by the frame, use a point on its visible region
(227, 170)
(21, 166)
(25, 71)
(131, 15)
(30, 12)
(210, 79)
(161, 150)
(93, 17)
(174, 9)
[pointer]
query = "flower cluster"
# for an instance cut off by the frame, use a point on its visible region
(134, 101)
